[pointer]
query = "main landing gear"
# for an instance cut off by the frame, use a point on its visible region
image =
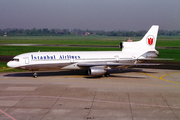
(106, 75)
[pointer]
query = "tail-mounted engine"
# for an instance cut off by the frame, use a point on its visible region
(121, 45)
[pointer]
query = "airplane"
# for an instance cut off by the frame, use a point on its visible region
(97, 63)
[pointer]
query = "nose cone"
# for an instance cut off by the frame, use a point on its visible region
(12, 64)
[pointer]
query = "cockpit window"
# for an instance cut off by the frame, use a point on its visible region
(15, 59)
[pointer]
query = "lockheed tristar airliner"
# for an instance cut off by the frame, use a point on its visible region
(97, 63)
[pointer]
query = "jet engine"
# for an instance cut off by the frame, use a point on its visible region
(96, 71)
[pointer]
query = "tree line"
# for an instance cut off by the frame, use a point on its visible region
(60, 32)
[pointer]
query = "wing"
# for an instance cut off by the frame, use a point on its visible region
(144, 59)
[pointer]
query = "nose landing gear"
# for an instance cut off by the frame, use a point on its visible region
(35, 75)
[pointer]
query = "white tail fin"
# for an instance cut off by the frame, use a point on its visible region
(147, 43)
(149, 40)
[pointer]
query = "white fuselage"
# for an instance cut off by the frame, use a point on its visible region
(66, 60)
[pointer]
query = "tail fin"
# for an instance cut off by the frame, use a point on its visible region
(147, 43)
(149, 40)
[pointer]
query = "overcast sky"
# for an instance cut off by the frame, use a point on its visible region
(90, 14)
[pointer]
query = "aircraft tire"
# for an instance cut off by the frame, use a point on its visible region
(35, 75)
(106, 74)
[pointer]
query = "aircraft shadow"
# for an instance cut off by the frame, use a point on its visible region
(74, 73)
(115, 76)
(51, 73)
(120, 76)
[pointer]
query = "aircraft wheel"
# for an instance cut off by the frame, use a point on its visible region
(35, 75)
(86, 72)
(106, 74)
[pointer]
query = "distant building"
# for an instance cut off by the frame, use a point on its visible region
(87, 33)
(5, 34)
(129, 40)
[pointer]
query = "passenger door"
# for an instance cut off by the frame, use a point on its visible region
(117, 58)
(26, 60)
(72, 60)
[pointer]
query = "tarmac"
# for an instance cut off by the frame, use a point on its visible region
(131, 94)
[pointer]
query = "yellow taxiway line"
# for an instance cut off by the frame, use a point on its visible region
(161, 78)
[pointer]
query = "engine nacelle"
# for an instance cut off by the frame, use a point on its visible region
(96, 71)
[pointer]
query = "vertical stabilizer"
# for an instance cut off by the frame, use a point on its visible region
(149, 40)
(147, 43)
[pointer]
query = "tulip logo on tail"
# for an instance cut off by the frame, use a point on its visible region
(150, 40)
